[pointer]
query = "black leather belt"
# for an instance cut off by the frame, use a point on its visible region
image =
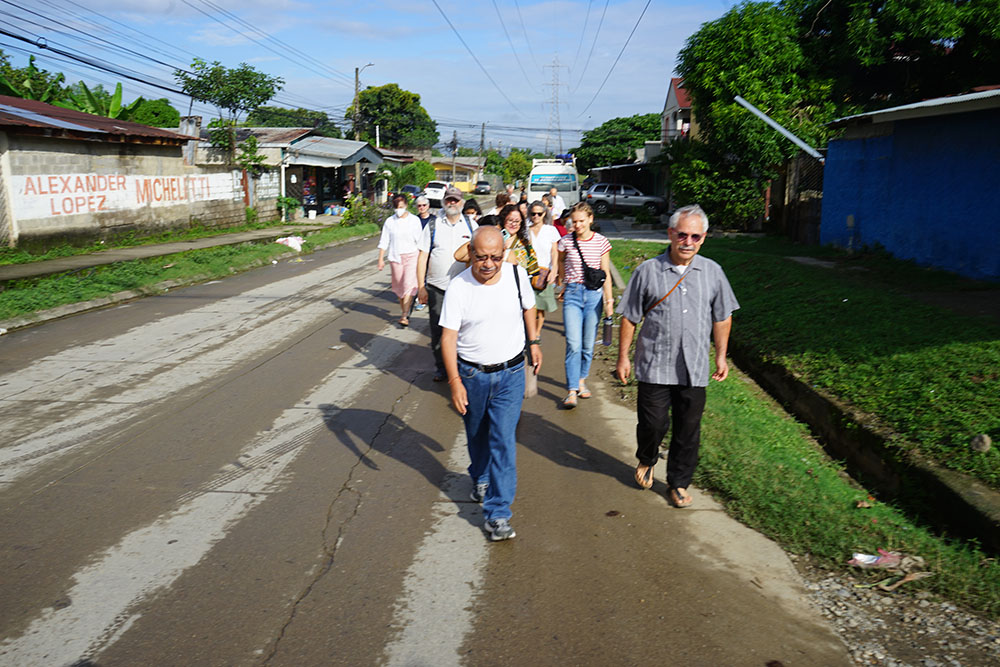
(493, 368)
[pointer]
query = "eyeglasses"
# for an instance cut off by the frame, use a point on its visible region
(482, 258)
(683, 236)
(421, 205)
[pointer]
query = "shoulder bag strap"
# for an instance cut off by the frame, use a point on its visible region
(578, 251)
(685, 275)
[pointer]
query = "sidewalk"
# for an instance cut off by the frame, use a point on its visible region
(77, 262)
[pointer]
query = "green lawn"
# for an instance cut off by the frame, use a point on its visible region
(930, 375)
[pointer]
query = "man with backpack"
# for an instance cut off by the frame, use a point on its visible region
(436, 264)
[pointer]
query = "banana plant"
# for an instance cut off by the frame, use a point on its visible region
(110, 107)
(33, 86)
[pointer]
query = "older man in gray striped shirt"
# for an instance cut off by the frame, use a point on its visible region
(682, 299)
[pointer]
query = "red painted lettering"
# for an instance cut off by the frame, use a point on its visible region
(121, 181)
(101, 199)
(29, 187)
(80, 185)
(52, 205)
(142, 191)
(67, 205)
(65, 183)
(53, 185)
(91, 183)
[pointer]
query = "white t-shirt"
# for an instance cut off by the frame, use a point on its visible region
(442, 267)
(558, 206)
(488, 318)
(400, 236)
(542, 243)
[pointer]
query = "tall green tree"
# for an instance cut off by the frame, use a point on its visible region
(156, 113)
(418, 173)
(517, 166)
(402, 122)
(615, 141)
(233, 91)
(272, 116)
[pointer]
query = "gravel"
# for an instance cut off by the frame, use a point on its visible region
(902, 628)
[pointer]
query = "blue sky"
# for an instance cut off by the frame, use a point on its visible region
(408, 42)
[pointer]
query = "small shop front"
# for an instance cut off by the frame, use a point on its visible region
(319, 171)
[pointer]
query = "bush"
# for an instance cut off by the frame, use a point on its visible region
(360, 211)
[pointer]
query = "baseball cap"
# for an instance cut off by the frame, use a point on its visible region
(452, 193)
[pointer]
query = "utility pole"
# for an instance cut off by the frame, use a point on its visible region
(482, 149)
(357, 132)
(454, 151)
(554, 123)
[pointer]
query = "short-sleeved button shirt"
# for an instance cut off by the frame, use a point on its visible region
(441, 265)
(673, 343)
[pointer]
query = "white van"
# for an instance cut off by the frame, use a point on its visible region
(560, 173)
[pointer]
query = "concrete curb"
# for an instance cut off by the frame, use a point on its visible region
(59, 312)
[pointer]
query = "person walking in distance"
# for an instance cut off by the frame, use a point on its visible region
(436, 264)
(558, 203)
(544, 238)
(583, 299)
(400, 234)
(684, 298)
(424, 215)
(488, 311)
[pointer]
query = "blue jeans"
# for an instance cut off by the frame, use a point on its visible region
(581, 313)
(490, 424)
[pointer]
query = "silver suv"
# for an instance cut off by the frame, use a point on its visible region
(607, 197)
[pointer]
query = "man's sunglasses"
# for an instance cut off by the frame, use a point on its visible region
(683, 236)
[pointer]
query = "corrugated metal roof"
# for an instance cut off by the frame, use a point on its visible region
(329, 152)
(274, 136)
(16, 112)
(939, 106)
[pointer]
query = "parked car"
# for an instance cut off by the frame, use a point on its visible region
(411, 191)
(434, 191)
(482, 188)
(607, 197)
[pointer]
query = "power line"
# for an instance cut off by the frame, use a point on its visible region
(525, 33)
(512, 49)
(448, 21)
(583, 34)
(596, 35)
(616, 59)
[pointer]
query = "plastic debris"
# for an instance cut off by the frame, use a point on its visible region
(293, 242)
(885, 559)
(2, 331)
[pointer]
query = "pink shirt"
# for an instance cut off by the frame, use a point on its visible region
(593, 249)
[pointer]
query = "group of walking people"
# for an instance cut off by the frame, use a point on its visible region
(488, 283)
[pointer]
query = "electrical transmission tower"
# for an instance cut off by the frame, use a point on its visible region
(554, 124)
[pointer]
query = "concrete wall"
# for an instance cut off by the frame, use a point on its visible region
(926, 189)
(63, 191)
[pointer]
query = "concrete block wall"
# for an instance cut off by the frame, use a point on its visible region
(63, 190)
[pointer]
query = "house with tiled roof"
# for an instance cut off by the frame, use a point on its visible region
(675, 119)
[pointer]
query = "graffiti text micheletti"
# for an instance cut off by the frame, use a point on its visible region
(72, 194)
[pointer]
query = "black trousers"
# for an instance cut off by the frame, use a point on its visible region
(685, 405)
(435, 298)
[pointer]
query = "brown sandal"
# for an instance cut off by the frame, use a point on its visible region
(644, 476)
(680, 498)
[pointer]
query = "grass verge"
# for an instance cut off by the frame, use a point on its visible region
(931, 376)
(131, 239)
(23, 297)
(768, 471)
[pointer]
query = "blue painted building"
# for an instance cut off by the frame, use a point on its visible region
(922, 180)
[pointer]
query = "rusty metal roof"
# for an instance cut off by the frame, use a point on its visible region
(40, 118)
(275, 136)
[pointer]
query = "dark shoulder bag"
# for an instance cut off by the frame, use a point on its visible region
(593, 279)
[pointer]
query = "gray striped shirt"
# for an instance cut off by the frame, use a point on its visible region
(673, 342)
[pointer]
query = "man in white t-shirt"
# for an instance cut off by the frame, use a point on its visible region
(436, 263)
(487, 309)
(558, 203)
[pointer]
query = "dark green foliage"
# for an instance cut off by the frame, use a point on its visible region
(615, 141)
(30, 83)
(156, 113)
(271, 116)
(402, 122)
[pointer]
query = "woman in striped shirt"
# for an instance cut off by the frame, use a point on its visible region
(581, 306)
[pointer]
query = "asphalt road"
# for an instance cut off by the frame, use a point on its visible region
(260, 471)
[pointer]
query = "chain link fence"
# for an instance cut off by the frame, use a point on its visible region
(797, 199)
